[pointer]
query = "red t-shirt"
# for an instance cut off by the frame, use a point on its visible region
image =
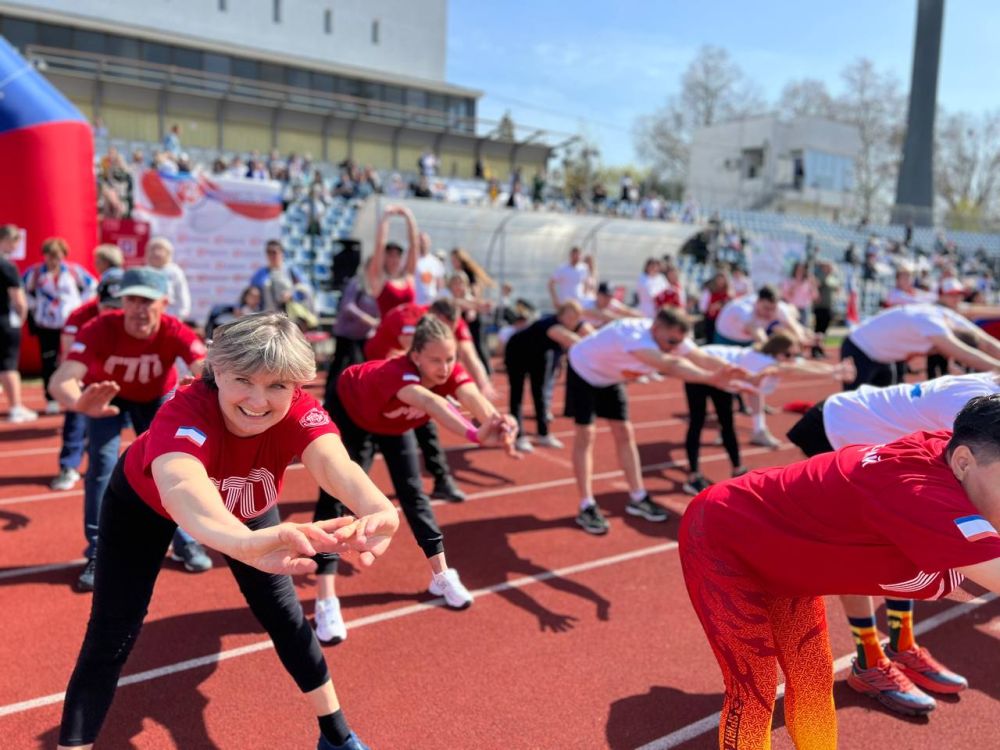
(884, 520)
(368, 393)
(81, 315)
(394, 294)
(143, 368)
(402, 321)
(248, 471)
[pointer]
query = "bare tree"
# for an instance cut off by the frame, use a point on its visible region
(806, 97)
(967, 167)
(872, 101)
(713, 88)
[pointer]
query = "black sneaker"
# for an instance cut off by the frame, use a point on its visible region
(592, 520)
(696, 485)
(446, 489)
(647, 509)
(86, 580)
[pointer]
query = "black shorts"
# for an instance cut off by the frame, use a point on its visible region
(585, 401)
(809, 433)
(869, 372)
(10, 346)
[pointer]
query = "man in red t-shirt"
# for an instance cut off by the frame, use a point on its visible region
(911, 518)
(128, 354)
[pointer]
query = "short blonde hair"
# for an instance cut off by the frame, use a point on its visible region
(262, 342)
(110, 255)
(161, 242)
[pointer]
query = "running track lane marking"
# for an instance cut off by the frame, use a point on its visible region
(17, 572)
(412, 609)
(710, 723)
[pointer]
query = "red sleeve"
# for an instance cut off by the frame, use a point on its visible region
(919, 514)
(306, 420)
(182, 425)
(462, 331)
(189, 347)
(89, 339)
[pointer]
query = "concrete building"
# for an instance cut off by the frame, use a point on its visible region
(363, 79)
(803, 166)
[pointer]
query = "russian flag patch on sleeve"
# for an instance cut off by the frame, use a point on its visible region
(975, 528)
(198, 437)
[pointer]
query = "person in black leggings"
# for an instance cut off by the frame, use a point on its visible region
(213, 459)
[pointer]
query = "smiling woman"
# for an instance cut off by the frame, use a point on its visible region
(213, 460)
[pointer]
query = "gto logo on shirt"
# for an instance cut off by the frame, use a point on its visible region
(143, 368)
(249, 496)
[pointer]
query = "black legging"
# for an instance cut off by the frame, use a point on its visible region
(937, 365)
(697, 398)
(48, 344)
(479, 342)
(534, 365)
(400, 453)
(133, 540)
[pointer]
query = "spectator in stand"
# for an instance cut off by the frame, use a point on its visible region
(280, 283)
(248, 304)
(569, 281)
(904, 292)
(172, 141)
(428, 163)
(673, 294)
(800, 290)
(391, 282)
(108, 263)
(740, 284)
(590, 283)
(651, 284)
(13, 313)
(357, 319)
(828, 286)
(160, 255)
(125, 361)
(429, 276)
(605, 307)
(713, 298)
(474, 303)
(538, 189)
(55, 288)
(114, 186)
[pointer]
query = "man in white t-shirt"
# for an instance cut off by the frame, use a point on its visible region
(599, 366)
(428, 278)
(568, 281)
(750, 319)
(896, 334)
(872, 415)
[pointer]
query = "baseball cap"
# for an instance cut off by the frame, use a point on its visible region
(109, 288)
(952, 286)
(603, 288)
(144, 282)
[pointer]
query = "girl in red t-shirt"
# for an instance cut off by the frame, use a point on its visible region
(377, 405)
(389, 281)
(213, 460)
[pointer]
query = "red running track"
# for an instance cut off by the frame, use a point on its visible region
(573, 642)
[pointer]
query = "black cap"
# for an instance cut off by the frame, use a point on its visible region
(109, 288)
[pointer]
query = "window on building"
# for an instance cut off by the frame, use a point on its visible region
(244, 68)
(121, 46)
(272, 73)
(297, 77)
(753, 163)
(322, 82)
(392, 94)
(185, 57)
(89, 41)
(416, 98)
(328, 21)
(276, 11)
(217, 64)
(375, 31)
(51, 35)
(20, 33)
(154, 52)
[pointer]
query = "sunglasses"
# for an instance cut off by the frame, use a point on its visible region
(675, 342)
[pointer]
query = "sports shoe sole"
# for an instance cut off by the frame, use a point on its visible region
(331, 641)
(927, 684)
(459, 607)
(632, 511)
(887, 700)
(451, 498)
(189, 568)
(596, 531)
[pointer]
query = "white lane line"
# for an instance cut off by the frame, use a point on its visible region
(711, 723)
(413, 609)
(498, 492)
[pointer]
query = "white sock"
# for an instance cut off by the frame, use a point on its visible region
(760, 421)
(636, 495)
(587, 502)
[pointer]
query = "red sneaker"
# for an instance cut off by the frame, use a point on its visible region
(890, 687)
(926, 671)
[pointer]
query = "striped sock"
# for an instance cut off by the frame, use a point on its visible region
(866, 640)
(899, 614)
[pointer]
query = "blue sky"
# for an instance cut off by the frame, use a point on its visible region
(592, 67)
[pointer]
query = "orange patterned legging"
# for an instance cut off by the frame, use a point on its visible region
(752, 633)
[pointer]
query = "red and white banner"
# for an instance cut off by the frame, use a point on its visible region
(129, 235)
(218, 226)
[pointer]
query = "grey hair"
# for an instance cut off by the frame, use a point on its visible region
(262, 342)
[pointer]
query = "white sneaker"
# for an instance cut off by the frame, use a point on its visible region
(21, 414)
(66, 479)
(330, 627)
(765, 438)
(447, 585)
(524, 445)
(550, 441)
(52, 407)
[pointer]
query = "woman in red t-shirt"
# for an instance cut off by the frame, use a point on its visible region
(378, 404)
(389, 281)
(213, 460)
